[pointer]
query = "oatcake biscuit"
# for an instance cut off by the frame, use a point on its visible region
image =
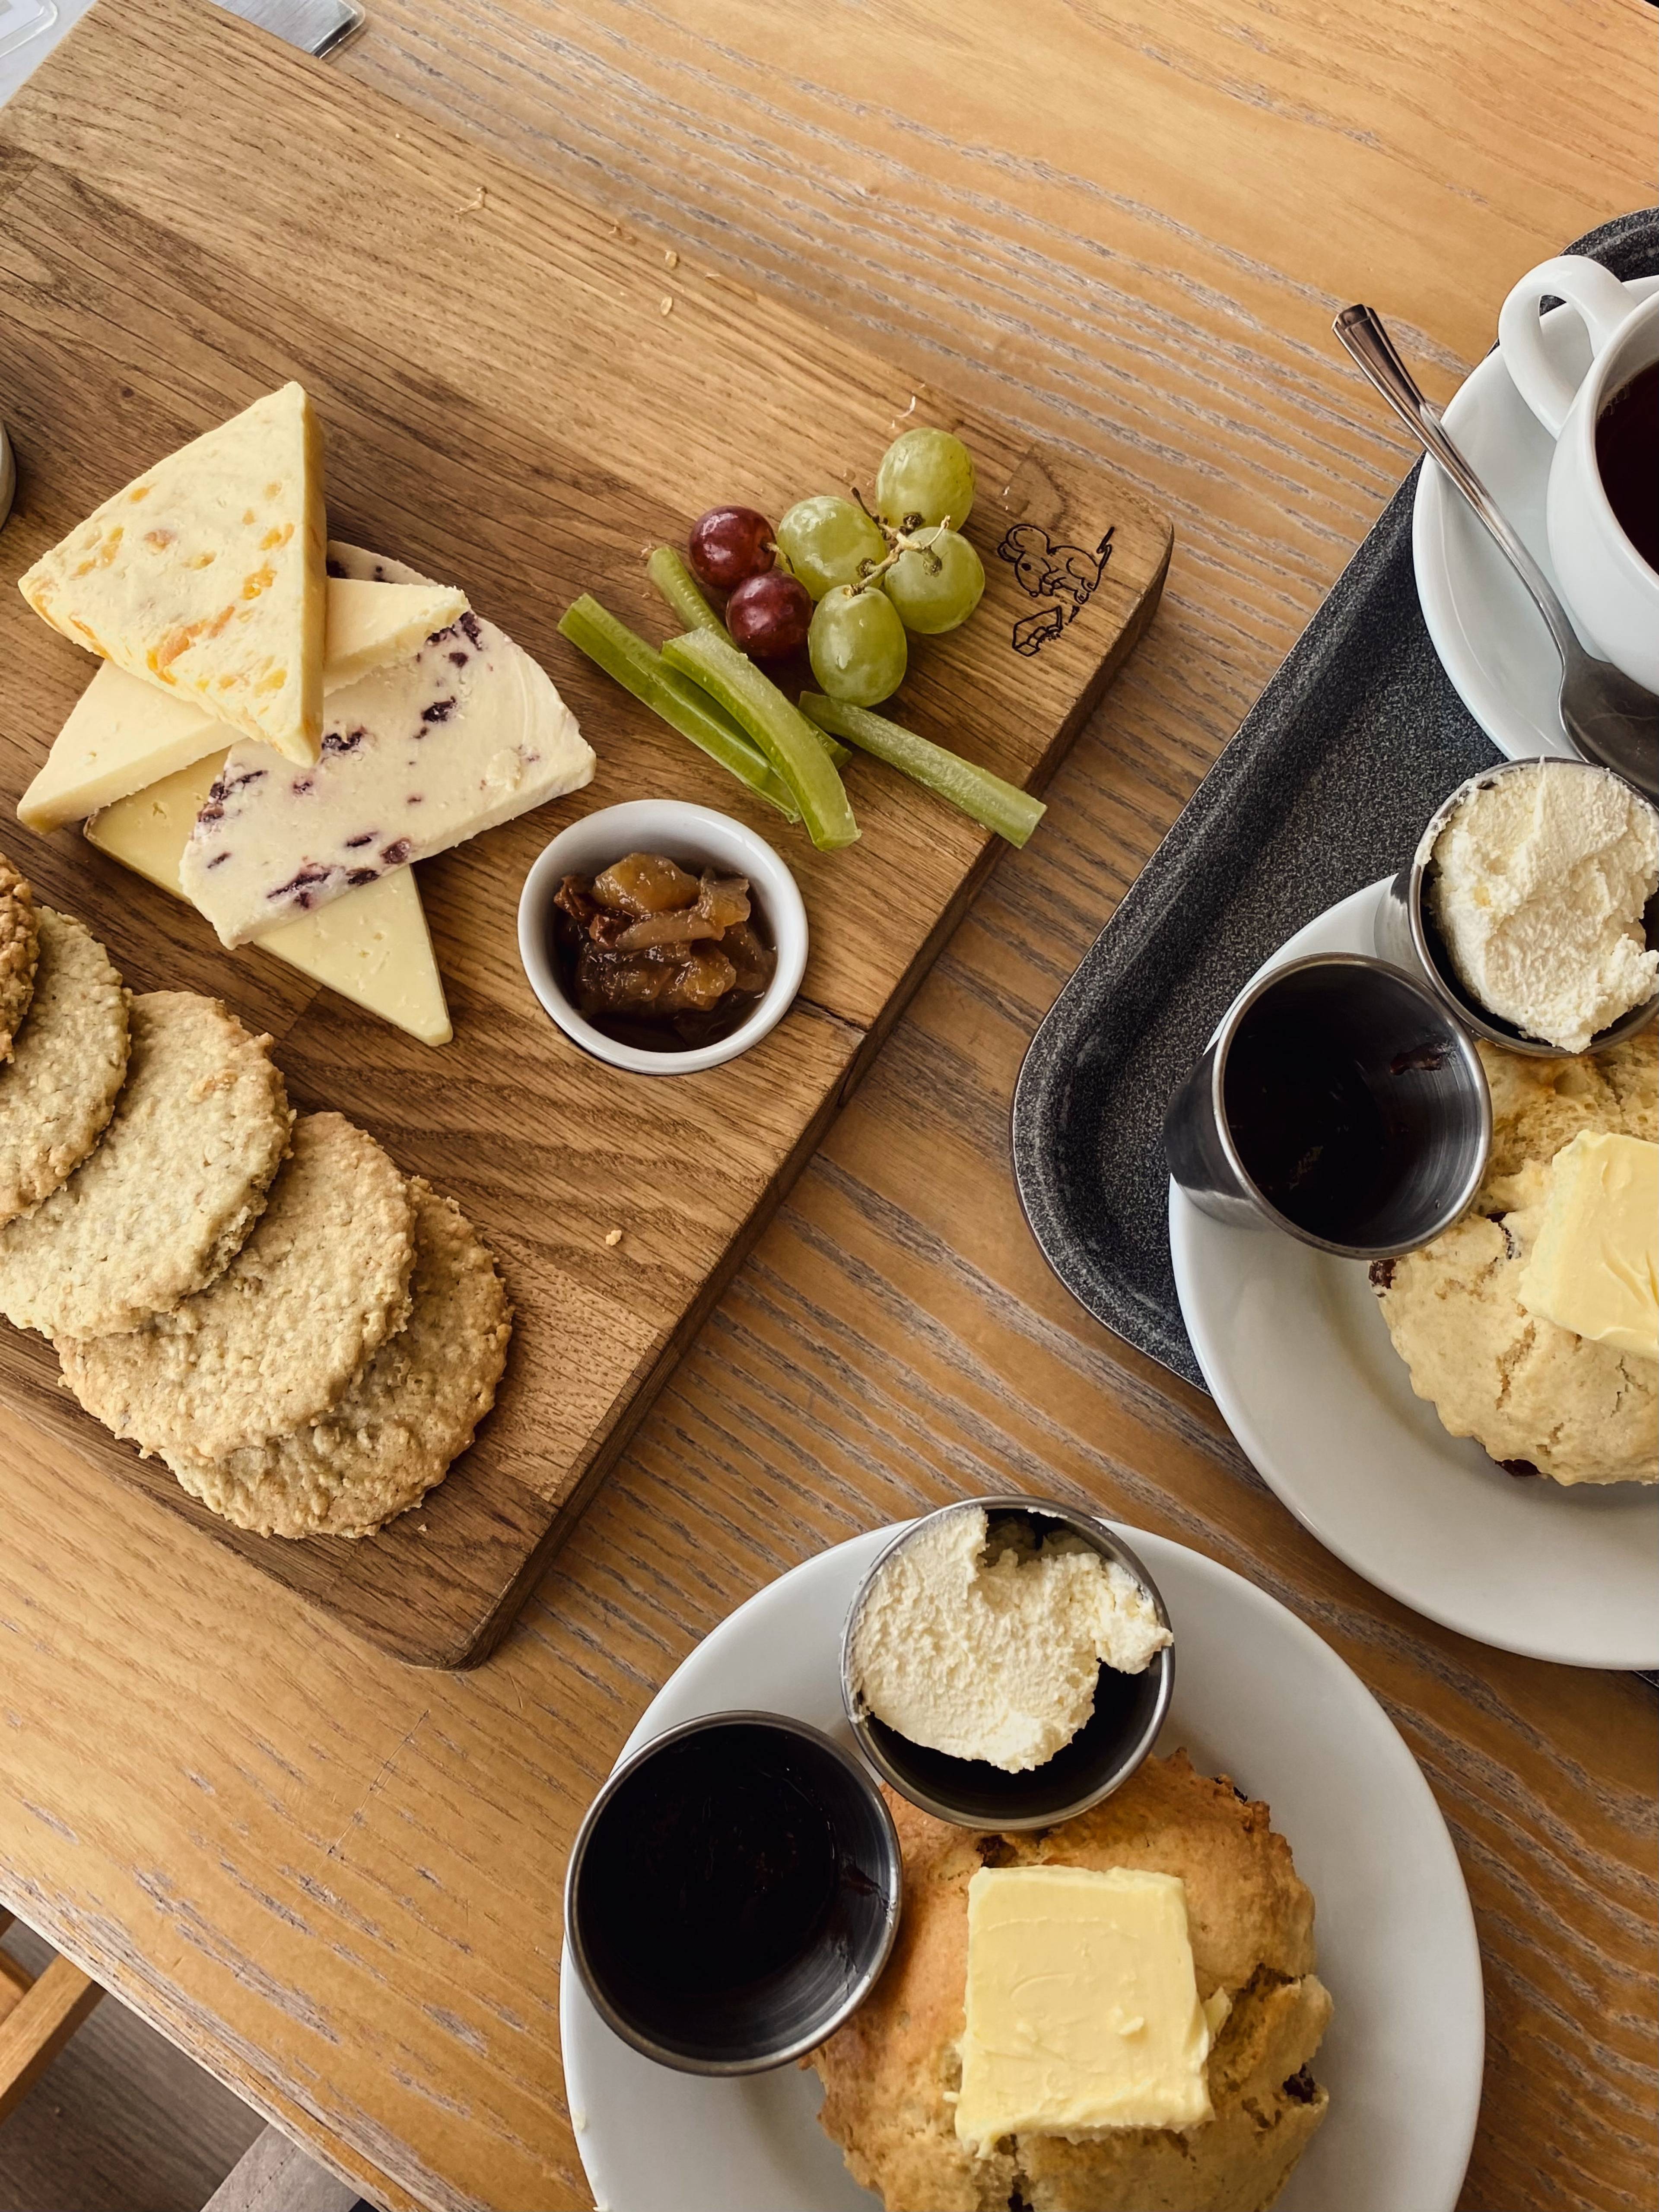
(18, 950)
(281, 1336)
(60, 1088)
(160, 1207)
(889, 2073)
(411, 1411)
(1536, 1397)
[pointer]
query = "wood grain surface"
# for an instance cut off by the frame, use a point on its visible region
(1122, 225)
(120, 2121)
(432, 300)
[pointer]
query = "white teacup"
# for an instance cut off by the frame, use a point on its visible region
(1610, 591)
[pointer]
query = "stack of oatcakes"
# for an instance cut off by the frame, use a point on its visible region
(307, 1337)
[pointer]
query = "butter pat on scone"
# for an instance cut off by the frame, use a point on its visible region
(1538, 1396)
(1595, 1264)
(1082, 2010)
(205, 574)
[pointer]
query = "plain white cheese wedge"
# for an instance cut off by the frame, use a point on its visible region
(372, 946)
(463, 736)
(371, 623)
(124, 734)
(205, 574)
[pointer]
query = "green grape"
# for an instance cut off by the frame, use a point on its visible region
(927, 473)
(824, 540)
(856, 645)
(935, 583)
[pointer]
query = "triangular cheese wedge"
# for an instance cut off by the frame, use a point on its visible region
(370, 625)
(468, 734)
(372, 945)
(205, 574)
(124, 734)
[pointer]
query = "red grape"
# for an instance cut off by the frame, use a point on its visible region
(769, 616)
(728, 543)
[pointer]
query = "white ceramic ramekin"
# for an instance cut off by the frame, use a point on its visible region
(690, 834)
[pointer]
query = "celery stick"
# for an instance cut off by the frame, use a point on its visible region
(639, 668)
(1004, 807)
(682, 591)
(782, 733)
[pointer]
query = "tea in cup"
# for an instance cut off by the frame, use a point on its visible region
(1603, 502)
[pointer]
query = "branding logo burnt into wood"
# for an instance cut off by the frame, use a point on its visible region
(1063, 574)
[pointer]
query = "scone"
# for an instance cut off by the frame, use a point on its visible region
(1539, 1105)
(890, 2074)
(1536, 1397)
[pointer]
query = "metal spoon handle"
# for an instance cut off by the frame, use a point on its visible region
(1362, 332)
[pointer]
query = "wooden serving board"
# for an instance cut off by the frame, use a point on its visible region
(523, 398)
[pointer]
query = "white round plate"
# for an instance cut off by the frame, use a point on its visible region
(1257, 1696)
(1491, 639)
(1298, 1355)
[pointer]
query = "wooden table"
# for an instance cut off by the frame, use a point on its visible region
(1125, 227)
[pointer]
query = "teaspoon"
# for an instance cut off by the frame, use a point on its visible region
(1608, 719)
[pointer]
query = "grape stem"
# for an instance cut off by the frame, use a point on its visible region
(900, 543)
(901, 540)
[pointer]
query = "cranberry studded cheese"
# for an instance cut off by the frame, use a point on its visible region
(467, 734)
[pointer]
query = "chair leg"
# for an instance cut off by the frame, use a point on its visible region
(15, 1981)
(36, 2022)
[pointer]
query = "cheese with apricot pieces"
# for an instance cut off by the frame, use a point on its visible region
(124, 734)
(205, 575)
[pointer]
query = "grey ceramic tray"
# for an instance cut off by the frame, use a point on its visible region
(1327, 786)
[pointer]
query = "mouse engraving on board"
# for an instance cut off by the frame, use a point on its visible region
(1065, 574)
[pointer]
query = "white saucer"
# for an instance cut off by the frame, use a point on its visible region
(1258, 1696)
(1490, 637)
(1295, 1350)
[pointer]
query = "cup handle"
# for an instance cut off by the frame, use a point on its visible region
(1599, 297)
